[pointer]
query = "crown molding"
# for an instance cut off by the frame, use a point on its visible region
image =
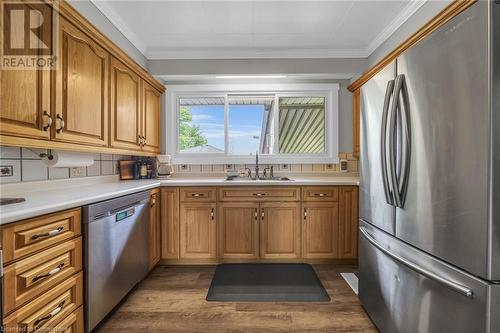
(250, 53)
(120, 24)
(394, 25)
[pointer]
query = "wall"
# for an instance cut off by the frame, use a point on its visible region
(97, 18)
(423, 15)
(28, 166)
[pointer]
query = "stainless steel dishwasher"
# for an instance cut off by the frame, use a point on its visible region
(116, 252)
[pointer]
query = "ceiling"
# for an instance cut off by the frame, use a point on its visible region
(166, 29)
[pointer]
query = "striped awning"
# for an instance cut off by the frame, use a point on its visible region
(302, 125)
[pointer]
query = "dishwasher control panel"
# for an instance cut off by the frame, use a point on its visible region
(124, 214)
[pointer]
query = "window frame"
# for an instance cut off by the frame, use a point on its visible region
(329, 91)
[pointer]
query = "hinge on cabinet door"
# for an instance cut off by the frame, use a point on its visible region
(262, 214)
(305, 213)
(256, 213)
(212, 214)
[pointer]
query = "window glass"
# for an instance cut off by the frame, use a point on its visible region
(301, 125)
(201, 125)
(250, 124)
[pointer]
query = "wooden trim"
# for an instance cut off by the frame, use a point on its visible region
(444, 16)
(175, 262)
(356, 114)
(7, 140)
(71, 14)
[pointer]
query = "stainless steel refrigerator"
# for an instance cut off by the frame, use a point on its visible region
(429, 256)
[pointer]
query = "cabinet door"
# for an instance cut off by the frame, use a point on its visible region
(125, 107)
(170, 223)
(348, 218)
(25, 98)
(198, 230)
(151, 118)
(81, 113)
(280, 230)
(238, 230)
(320, 230)
(154, 228)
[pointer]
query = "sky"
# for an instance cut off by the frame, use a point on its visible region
(245, 123)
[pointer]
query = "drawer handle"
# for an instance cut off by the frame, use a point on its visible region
(320, 194)
(196, 195)
(48, 234)
(52, 314)
(258, 194)
(52, 272)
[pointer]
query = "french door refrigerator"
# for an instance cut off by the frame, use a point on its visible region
(429, 257)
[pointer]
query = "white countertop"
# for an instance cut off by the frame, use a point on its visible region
(51, 196)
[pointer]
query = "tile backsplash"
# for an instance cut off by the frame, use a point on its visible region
(25, 164)
(352, 166)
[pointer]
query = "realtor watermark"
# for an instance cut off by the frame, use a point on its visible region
(29, 35)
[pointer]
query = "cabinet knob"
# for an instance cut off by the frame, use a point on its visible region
(61, 122)
(49, 120)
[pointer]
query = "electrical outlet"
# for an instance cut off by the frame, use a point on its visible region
(284, 167)
(229, 167)
(184, 167)
(329, 167)
(6, 171)
(77, 172)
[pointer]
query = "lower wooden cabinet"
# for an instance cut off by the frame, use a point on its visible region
(280, 230)
(320, 230)
(348, 222)
(238, 230)
(170, 223)
(154, 228)
(198, 230)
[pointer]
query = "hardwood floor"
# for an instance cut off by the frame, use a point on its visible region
(172, 299)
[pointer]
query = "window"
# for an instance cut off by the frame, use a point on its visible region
(231, 126)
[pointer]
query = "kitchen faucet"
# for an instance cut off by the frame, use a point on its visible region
(257, 176)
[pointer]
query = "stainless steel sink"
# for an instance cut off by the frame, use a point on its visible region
(237, 178)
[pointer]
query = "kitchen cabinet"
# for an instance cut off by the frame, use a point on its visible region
(198, 230)
(348, 222)
(125, 107)
(238, 230)
(25, 98)
(320, 230)
(81, 112)
(77, 106)
(151, 118)
(170, 223)
(43, 273)
(154, 228)
(279, 230)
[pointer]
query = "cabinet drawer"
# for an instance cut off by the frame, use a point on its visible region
(207, 194)
(48, 310)
(33, 276)
(27, 237)
(320, 193)
(72, 323)
(259, 193)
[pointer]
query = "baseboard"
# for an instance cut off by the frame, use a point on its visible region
(237, 261)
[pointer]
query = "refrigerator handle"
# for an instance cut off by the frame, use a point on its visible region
(422, 271)
(383, 143)
(392, 142)
(405, 157)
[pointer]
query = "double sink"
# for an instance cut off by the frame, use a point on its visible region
(238, 178)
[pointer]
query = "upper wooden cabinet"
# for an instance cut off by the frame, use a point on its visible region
(151, 117)
(125, 107)
(81, 113)
(97, 98)
(25, 100)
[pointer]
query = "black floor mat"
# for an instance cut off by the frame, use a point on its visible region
(266, 283)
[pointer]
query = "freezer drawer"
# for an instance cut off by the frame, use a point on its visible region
(406, 290)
